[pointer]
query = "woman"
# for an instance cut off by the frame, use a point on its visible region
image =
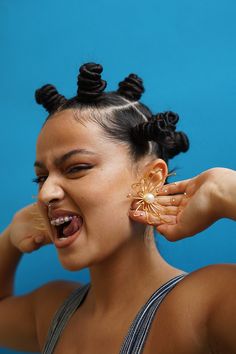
(101, 167)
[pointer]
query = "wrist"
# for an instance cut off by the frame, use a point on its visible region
(225, 194)
(9, 260)
(5, 241)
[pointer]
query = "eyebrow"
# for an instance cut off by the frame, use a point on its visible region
(58, 161)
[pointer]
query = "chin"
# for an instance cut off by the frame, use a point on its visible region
(71, 263)
(75, 263)
(72, 266)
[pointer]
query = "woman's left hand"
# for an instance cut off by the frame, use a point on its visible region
(193, 205)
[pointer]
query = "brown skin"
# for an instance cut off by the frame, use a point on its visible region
(209, 197)
(99, 195)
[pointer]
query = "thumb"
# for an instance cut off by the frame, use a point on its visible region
(172, 232)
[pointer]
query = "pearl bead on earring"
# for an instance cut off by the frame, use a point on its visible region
(149, 198)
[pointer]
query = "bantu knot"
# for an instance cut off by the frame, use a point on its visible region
(167, 120)
(131, 88)
(161, 129)
(90, 84)
(49, 97)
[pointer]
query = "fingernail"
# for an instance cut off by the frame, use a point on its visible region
(139, 213)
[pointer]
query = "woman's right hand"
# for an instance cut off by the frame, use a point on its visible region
(28, 231)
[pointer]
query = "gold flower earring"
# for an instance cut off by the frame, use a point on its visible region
(145, 193)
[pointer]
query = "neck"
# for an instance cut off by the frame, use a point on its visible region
(128, 277)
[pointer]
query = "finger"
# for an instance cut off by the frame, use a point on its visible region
(173, 200)
(28, 245)
(42, 239)
(174, 188)
(39, 239)
(147, 218)
(170, 210)
(33, 242)
(172, 232)
(165, 207)
(161, 202)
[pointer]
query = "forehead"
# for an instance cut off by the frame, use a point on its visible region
(63, 132)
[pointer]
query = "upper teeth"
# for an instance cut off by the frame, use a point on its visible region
(61, 220)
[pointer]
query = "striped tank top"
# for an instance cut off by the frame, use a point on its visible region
(135, 339)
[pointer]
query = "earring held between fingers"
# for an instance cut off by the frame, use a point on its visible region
(138, 213)
(145, 193)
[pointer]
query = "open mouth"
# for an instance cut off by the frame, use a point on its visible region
(66, 229)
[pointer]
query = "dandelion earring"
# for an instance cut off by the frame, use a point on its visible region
(145, 192)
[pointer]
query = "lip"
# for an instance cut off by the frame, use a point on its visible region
(54, 214)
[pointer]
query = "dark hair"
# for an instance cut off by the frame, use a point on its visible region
(119, 113)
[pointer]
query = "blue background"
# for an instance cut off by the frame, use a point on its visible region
(186, 53)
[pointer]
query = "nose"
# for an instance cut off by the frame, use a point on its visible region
(51, 191)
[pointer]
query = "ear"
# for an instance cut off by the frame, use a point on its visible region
(144, 207)
(157, 171)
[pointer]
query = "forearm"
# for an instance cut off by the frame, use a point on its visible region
(9, 259)
(226, 195)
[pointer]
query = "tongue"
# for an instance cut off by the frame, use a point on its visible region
(74, 226)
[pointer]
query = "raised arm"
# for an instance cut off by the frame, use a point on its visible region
(24, 320)
(200, 201)
(17, 323)
(17, 314)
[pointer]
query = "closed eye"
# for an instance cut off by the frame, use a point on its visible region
(78, 168)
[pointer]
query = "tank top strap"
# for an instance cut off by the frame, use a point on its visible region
(138, 331)
(62, 316)
(135, 340)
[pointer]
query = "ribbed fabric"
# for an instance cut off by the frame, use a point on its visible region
(135, 340)
(62, 316)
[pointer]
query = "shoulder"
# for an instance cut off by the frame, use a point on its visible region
(186, 310)
(203, 287)
(208, 281)
(220, 319)
(47, 300)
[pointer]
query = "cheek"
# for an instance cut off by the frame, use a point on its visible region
(101, 196)
(106, 203)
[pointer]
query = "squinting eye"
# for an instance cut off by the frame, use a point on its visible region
(39, 179)
(79, 168)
